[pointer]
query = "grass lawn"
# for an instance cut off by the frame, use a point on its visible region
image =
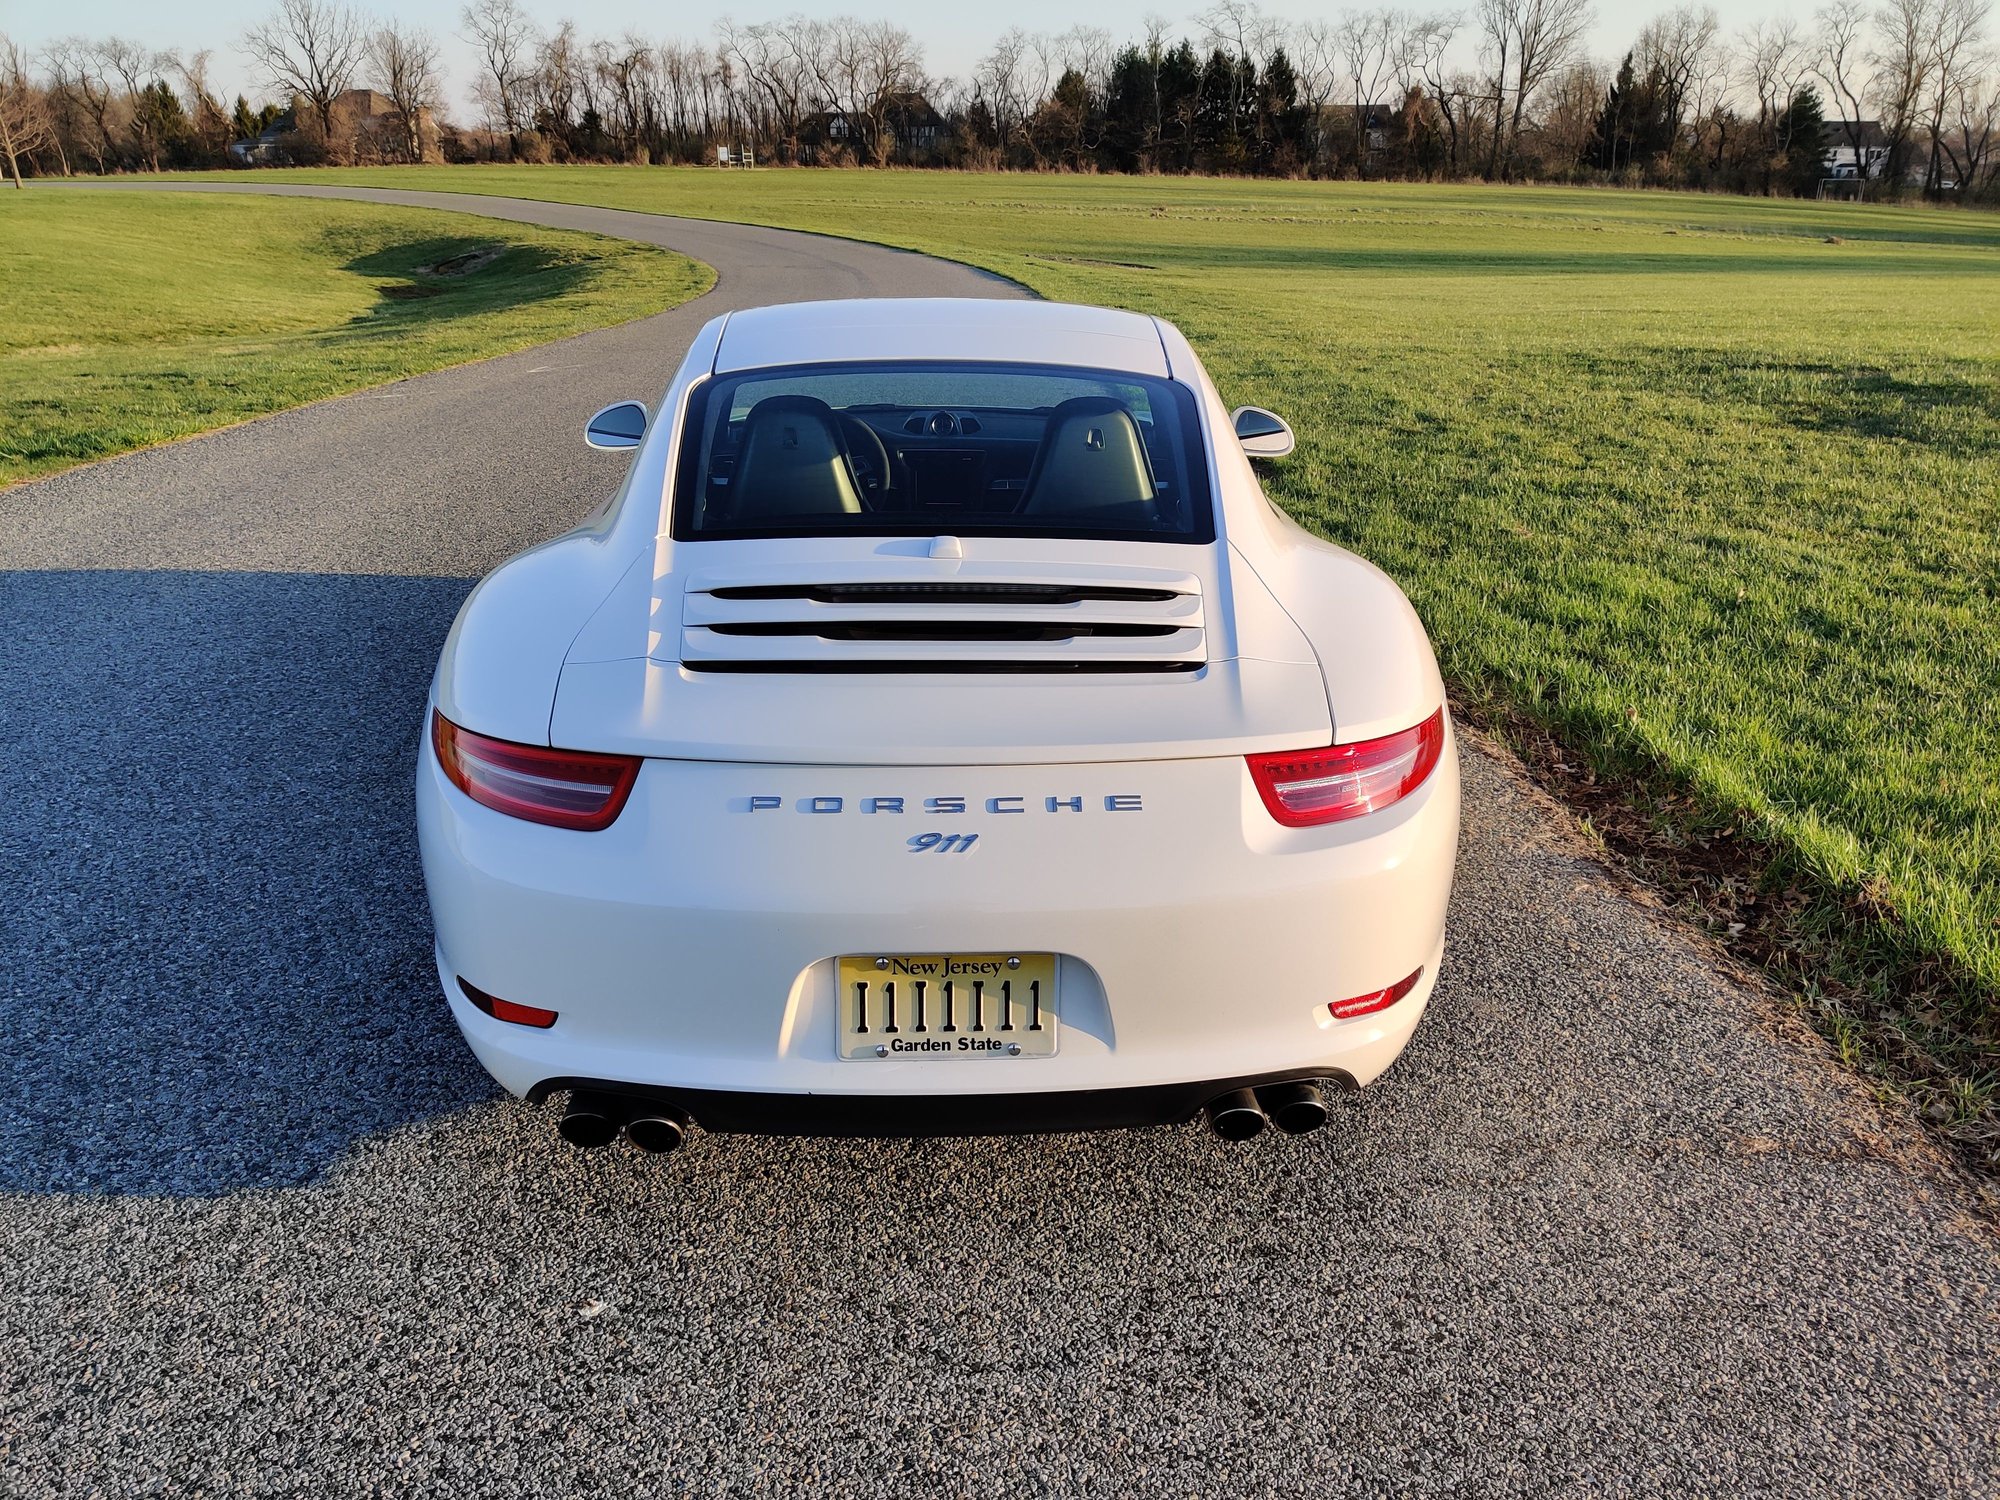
(130, 318)
(1707, 487)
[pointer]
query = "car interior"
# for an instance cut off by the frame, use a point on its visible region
(791, 460)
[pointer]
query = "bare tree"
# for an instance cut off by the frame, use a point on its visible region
(1569, 118)
(1774, 64)
(1972, 140)
(1002, 80)
(865, 70)
(126, 69)
(1430, 42)
(24, 115)
(1243, 33)
(1681, 45)
(311, 49)
(775, 62)
(403, 64)
(1528, 42)
(79, 103)
(505, 37)
(1958, 56)
(205, 112)
(1365, 47)
(1904, 61)
(1840, 62)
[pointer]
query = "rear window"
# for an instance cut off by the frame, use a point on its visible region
(942, 449)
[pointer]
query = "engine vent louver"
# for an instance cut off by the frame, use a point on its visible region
(942, 630)
(947, 593)
(1054, 625)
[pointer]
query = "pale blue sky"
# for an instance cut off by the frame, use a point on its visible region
(954, 37)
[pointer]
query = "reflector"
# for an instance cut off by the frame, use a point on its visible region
(1374, 1000)
(507, 1010)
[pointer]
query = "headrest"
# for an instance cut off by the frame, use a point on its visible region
(1092, 461)
(791, 462)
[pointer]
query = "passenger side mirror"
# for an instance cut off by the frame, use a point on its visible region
(1263, 434)
(619, 426)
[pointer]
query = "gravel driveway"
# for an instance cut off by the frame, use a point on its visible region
(1614, 1225)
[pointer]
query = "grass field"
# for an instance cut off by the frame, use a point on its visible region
(1709, 488)
(129, 318)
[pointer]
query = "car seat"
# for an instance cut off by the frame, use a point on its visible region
(1092, 467)
(791, 463)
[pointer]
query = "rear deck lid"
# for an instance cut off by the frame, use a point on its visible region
(994, 651)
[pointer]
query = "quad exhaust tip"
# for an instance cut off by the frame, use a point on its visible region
(1295, 1108)
(592, 1119)
(657, 1131)
(1237, 1116)
(1242, 1115)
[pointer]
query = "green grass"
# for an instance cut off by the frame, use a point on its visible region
(128, 318)
(1707, 487)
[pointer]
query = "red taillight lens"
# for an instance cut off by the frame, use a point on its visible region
(1303, 788)
(563, 788)
(1368, 1004)
(507, 1010)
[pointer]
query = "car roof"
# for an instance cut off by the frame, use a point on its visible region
(970, 329)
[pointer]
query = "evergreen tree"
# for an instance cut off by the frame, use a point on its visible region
(159, 124)
(1281, 121)
(1180, 107)
(1129, 145)
(1636, 124)
(1802, 142)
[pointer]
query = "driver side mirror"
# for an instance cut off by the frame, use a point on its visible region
(617, 426)
(1263, 434)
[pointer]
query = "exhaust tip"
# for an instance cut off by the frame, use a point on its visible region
(657, 1133)
(1237, 1116)
(589, 1121)
(1295, 1108)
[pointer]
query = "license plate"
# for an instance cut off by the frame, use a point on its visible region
(948, 1005)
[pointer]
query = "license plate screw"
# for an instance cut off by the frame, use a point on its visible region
(1013, 963)
(883, 1051)
(881, 963)
(1013, 1049)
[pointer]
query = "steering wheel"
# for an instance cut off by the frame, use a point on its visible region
(869, 455)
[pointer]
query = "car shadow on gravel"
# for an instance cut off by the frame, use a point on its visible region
(214, 947)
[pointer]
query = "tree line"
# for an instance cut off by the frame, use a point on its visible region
(1905, 92)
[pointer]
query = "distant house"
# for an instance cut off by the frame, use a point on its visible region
(914, 130)
(366, 126)
(1844, 161)
(266, 148)
(1369, 123)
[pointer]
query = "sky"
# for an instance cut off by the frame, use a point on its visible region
(953, 37)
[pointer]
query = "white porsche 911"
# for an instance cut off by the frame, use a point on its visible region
(938, 733)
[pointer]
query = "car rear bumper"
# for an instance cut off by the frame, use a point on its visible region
(741, 1112)
(690, 947)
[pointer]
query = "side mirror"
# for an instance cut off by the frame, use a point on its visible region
(1263, 434)
(619, 426)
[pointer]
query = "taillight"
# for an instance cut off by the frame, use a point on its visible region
(1303, 788)
(563, 788)
(1374, 1000)
(507, 1010)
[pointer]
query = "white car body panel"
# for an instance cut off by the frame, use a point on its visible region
(690, 945)
(1048, 333)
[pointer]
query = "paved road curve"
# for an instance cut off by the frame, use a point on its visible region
(1611, 1226)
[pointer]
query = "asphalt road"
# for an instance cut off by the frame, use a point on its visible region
(1613, 1225)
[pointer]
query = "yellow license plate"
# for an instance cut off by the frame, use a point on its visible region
(948, 1005)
